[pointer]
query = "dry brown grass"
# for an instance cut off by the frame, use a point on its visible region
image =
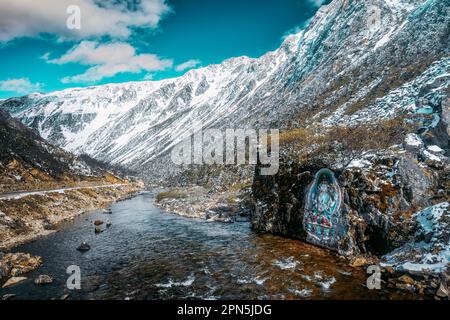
(308, 142)
(171, 194)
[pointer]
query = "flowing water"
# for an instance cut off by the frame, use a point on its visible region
(150, 254)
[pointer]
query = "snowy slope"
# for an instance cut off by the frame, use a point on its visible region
(23, 151)
(341, 60)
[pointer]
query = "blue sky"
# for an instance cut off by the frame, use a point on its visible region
(133, 40)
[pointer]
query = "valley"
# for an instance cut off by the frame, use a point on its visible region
(358, 175)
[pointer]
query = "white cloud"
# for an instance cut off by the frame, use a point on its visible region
(91, 52)
(108, 60)
(187, 65)
(45, 56)
(148, 77)
(28, 18)
(20, 86)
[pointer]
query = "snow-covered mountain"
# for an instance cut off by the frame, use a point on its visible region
(356, 61)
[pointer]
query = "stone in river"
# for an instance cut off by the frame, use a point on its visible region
(19, 263)
(13, 281)
(98, 222)
(8, 296)
(43, 279)
(84, 247)
(98, 230)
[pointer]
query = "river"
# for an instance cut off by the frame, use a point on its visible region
(149, 254)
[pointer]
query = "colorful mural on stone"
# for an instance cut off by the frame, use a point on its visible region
(322, 208)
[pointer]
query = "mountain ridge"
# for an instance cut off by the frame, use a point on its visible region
(28, 162)
(337, 66)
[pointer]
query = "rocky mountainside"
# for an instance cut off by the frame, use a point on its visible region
(366, 170)
(361, 97)
(356, 61)
(29, 162)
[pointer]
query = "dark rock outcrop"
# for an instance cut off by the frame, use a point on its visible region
(379, 194)
(14, 265)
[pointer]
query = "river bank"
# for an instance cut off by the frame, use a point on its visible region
(27, 217)
(225, 206)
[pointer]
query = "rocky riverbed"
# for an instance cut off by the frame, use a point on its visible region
(26, 218)
(13, 267)
(215, 206)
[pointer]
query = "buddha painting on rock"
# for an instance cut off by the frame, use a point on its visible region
(322, 206)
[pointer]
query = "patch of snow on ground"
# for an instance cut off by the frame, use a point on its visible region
(259, 281)
(431, 156)
(327, 283)
(435, 149)
(358, 163)
(433, 253)
(413, 140)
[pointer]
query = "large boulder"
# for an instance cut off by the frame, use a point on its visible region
(13, 281)
(362, 207)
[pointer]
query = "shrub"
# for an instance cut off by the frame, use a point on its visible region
(171, 194)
